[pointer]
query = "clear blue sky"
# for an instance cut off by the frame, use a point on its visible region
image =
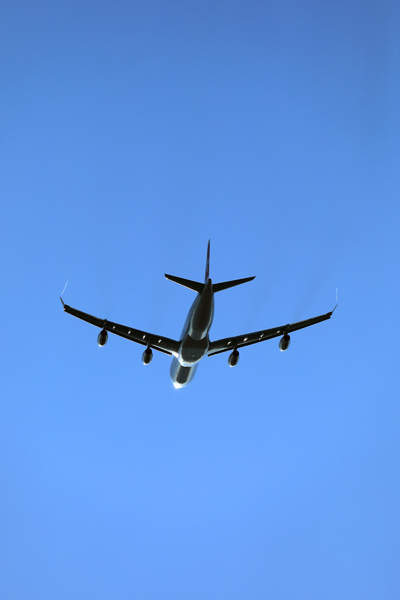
(131, 133)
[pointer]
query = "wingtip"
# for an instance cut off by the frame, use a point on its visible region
(62, 302)
(331, 313)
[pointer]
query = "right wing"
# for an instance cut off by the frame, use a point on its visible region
(232, 343)
(157, 342)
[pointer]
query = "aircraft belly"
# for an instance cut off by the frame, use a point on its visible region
(202, 315)
(181, 375)
(192, 351)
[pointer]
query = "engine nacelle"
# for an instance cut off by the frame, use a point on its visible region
(233, 358)
(147, 356)
(284, 342)
(102, 338)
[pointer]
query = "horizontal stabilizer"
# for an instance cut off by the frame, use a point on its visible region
(218, 287)
(192, 285)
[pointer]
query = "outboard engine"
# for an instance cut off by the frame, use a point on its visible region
(147, 356)
(284, 342)
(102, 338)
(233, 358)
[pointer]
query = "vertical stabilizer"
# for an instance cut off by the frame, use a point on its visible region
(207, 264)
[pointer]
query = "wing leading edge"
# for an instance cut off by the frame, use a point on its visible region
(239, 341)
(157, 342)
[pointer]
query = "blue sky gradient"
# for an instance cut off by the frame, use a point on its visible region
(131, 134)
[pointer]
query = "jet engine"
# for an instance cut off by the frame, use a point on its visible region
(147, 356)
(233, 358)
(284, 342)
(102, 338)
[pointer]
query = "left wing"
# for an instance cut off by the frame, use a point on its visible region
(232, 343)
(157, 342)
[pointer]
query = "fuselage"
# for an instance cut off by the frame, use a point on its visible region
(194, 340)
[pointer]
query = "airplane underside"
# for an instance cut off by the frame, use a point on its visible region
(180, 375)
(194, 342)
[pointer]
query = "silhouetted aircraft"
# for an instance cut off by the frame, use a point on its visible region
(194, 342)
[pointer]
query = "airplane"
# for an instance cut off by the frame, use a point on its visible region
(194, 342)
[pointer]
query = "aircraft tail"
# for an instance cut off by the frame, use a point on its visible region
(199, 287)
(192, 285)
(207, 276)
(224, 285)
